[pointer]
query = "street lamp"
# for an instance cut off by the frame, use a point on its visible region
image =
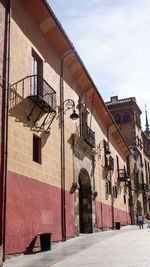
(74, 116)
(70, 104)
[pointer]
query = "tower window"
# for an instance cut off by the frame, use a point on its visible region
(118, 118)
(127, 116)
(36, 149)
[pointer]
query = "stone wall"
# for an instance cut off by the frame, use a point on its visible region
(83, 162)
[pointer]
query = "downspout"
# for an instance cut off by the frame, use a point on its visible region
(63, 178)
(94, 197)
(130, 193)
(3, 86)
(112, 199)
(7, 112)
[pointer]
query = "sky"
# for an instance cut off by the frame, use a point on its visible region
(112, 38)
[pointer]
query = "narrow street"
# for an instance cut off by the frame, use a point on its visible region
(128, 247)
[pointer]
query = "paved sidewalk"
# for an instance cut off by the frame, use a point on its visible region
(128, 247)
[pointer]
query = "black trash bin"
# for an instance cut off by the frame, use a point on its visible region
(117, 224)
(45, 241)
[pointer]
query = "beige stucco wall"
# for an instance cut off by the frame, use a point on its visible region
(20, 130)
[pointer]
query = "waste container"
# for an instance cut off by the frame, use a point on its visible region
(45, 241)
(117, 224)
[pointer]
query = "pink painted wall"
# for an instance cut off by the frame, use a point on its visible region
(104, 215)
(34, 207)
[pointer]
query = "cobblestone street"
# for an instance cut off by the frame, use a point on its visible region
(128, 247)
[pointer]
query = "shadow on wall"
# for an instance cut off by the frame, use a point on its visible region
(20, 108)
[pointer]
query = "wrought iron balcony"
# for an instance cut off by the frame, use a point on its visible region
(143, 187)
(42, 93)
(146, 188)
(89, 136)
(123, 176)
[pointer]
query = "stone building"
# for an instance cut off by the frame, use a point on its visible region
(62, 177)
(127, 116)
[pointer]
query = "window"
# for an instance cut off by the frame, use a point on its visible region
(124, 198)
(34, 78)
(36, 73)
(106, 148)
(127, 117)
(118, 118)
(111, 163)
(83, 122)
(36, 149)
(114, 191)
(108, 187)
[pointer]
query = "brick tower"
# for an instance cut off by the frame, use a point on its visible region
(126, 114)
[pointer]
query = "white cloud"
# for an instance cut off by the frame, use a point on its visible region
(113, 40)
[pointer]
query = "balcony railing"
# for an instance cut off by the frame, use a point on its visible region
(89, 136)
(143, 187)
(42, 93)
(123, 176)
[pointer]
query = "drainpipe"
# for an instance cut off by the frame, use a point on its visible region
(63, 178)
(112, 199)
(3, 86)
(6, 145)
(130, 193)
(93, 178)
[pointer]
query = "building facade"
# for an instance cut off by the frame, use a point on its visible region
(63, 178)
(127, 115)
(4, 43)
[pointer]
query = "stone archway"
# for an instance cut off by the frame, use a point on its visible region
(85, 202)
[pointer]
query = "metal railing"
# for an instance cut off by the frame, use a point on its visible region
(89, 136)
(122, 176)
(39, 88)
(143, 187)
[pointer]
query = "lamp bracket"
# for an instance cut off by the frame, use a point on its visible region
(68, 104)
(100, 146)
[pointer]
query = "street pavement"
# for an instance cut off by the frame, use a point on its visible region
(127, 247)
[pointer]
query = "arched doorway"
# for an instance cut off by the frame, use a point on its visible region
(138, 207)
(85, 203)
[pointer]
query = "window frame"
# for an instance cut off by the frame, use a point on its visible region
(36, 155)
(118, 118)
(127, 117)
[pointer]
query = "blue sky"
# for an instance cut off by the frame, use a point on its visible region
(113, 39)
